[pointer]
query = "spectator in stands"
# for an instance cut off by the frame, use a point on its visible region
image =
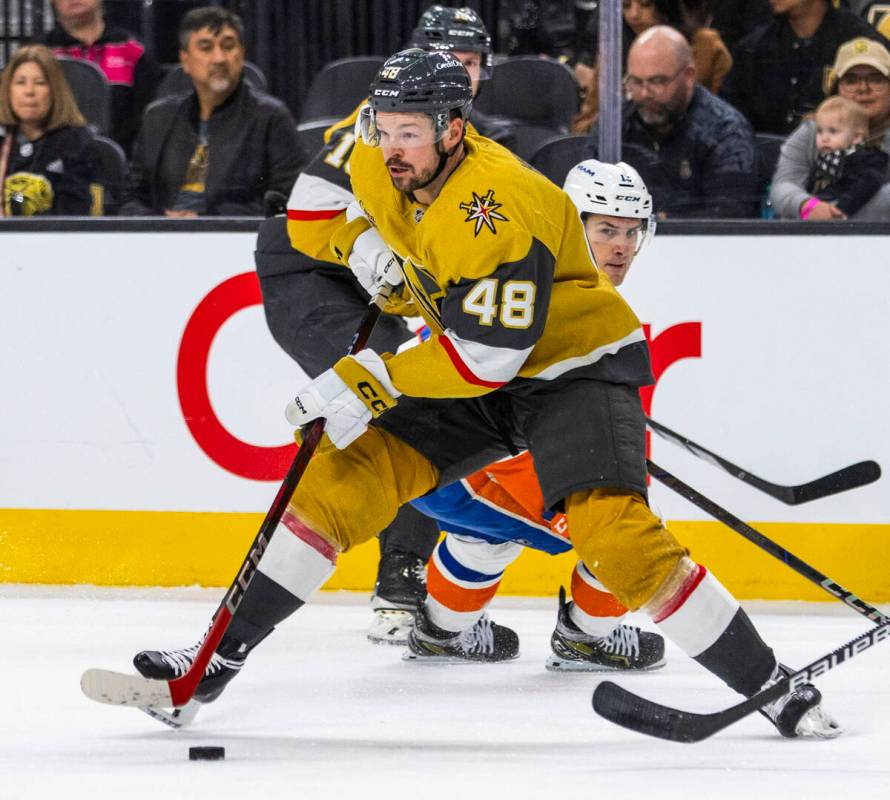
(218, 149)
(778, 69)
(735, 19)
(694, 151)
(46, 160)
(861, 73)
(81, 32)
(711, 57)
(848, 171)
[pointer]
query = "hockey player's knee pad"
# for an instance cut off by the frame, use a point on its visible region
(349, 496)
(622, 542)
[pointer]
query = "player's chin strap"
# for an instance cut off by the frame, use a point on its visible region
(444, 155)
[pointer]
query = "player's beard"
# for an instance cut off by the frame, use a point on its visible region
(411, 180)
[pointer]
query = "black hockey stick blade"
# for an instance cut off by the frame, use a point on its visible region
(842, 480)
(618, 705)
(629, 710)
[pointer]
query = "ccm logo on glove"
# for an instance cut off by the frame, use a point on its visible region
(376, 405)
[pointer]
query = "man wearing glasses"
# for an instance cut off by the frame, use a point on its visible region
(694, 151)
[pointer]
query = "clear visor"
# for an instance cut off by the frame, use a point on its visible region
(635, 236)
(400, 131)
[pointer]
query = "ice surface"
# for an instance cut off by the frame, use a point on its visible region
(318, 712)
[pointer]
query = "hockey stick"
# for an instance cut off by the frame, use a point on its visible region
(645, 716)
(756, 537)
(850, 477)
(116, 688)
(639, 714)
(176, 719)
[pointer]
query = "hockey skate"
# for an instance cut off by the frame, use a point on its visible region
(166, 665)
(400, 589)
(486, 641)
(626, 649)
(800, 713)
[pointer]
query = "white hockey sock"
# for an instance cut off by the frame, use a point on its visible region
(463, 576)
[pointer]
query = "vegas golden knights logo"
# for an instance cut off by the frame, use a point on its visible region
(483, 211)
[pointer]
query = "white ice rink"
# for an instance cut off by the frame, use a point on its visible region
(319, 713)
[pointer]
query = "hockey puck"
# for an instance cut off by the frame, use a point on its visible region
(207, 753)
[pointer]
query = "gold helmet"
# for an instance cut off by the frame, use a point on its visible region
(26, 194)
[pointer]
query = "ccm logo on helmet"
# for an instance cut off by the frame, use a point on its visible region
(629, 197)
(386, 93)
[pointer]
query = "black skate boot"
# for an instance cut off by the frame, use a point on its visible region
(799, 713)
(224, 665)
(399, 591)
(626, 649)
(486, 641)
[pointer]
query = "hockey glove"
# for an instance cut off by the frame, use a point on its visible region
(362, 249)
(356, 389)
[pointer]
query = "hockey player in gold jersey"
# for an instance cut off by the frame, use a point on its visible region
(532, 347)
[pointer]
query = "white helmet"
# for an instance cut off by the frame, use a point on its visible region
(613, 190)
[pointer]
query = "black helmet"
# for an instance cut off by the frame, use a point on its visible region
(414, 80)
(460, 29)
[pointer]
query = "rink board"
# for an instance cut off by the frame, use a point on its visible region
(143, 436)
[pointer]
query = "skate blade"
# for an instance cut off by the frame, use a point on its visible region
(118, 689)
(556, 664)
(391, 626)
(819, 724)
(176, 719)
(411, 656)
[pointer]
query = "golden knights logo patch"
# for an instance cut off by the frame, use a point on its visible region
(483, 211)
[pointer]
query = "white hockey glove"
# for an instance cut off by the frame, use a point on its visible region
(358, 245)
(356, 389)
(373, 263)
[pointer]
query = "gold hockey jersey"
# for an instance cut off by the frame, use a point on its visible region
(500, 268)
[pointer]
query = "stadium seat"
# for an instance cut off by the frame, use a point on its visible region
(177, 82)
(338, 88)
(768, 146)
(556, 156)
(311, 134)
(91, 90)
(538, 92)
(111, 181)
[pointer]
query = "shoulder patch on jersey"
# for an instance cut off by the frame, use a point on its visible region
(483, 211)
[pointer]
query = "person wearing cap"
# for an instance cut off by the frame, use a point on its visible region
(777, 73)
(861, 73)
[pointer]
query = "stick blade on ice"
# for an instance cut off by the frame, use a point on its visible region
(635, 713)
(118, 689)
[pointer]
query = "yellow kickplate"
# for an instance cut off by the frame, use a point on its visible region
(153, 548)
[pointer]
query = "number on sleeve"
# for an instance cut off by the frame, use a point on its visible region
(517, 306)
(341, 152)
(480, 300)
